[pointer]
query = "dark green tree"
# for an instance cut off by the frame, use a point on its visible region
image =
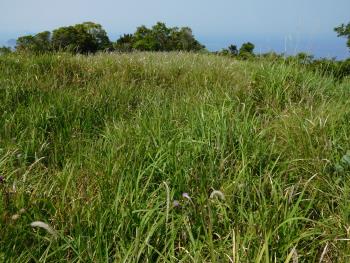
(66, 38)
(183, 40)
(124, 43)
(87, 37)
(247, 48)
(159, 38)
(39, 43)
(43, 41)
(26, 43)
(344, 31)
(74, 39)
(144, 39)
(99, 35)
(160, 34)
(233, 50)
(5, 50)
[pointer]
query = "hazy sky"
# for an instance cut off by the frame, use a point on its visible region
(282, 25)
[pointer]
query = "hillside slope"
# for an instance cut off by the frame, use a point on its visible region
(122, 156)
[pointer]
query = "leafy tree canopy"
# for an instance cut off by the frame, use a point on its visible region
(233, 50)
(74, 39)
(87, 37)
(38, 43)
(245, 51)
(344, 31)
(99, 35)
(247, 48)
(125, 43)
(159, 38)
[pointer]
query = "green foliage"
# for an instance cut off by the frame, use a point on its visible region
(5, 50)
(145, 40)
(233, 50)
(183, 40)
(38, 43)
(272, 56)
(329, 67)
(337, 69)
(246, 50)
(304, 58)
(74, 39)
(87, 37)
(43, 41)
(102, 148)
(223, 52)
(90, 37)
(344, 31)
(159, 38)
(98, 34)
(124, 43)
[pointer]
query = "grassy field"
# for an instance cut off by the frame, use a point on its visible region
(172, 157)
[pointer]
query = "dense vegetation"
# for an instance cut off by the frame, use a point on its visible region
(159, 38)
(90, 37)
(87, 37)
(167, 157)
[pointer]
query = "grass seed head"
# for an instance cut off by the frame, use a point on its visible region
(217, 193)
(15, 217)
(187, 196)
(43, 225)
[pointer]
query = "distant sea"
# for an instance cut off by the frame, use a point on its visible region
(320, 47)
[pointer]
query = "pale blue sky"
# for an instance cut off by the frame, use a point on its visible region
(282, 25)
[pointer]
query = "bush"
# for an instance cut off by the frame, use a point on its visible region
(5, 50)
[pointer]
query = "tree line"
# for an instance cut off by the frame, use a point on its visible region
(89, 37)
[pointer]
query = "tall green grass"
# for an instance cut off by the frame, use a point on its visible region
(120, 153)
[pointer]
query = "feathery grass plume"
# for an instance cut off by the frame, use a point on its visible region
(217, 193)
(295, 256)
(187, 196)
(14, 188)
(22, 211)
(44, 226)
(15, 217)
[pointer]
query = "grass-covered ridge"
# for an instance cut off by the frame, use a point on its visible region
(100, 147)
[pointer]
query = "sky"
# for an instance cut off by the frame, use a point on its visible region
(288, 26)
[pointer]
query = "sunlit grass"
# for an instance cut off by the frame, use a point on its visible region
(171, 157)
